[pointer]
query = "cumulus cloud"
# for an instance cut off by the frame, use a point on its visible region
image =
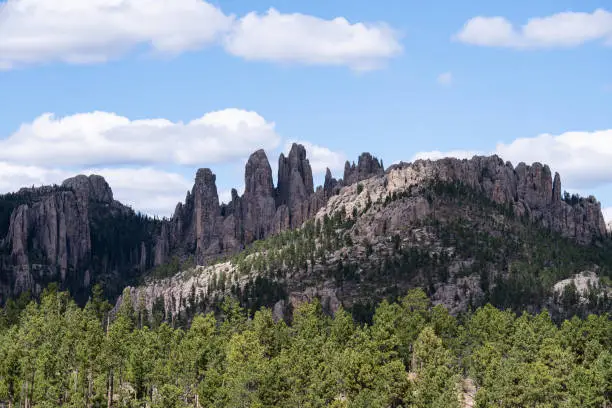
(14, 176)
(300, 38)
(91, 31)
(144, 161)
(584, 159)
(607, 213)
(94, 31)
(148, 190)
(445, 79)
(101, 138)
(124, 152)
(566, 29)
(320, 157)
(437, 155)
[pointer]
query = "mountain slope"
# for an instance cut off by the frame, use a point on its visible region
(469, 231)
(77, 234)
(74, 234)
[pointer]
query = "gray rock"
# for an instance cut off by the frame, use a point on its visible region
(258, 204)
(92, 188)
(295, 184)
(367, 166)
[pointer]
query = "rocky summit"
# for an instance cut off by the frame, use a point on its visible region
(456, 227)
(470, 231)
(207, 229)
(77, 234)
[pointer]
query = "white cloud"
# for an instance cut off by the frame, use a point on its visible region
(583, 159)
(445, 78)
(437, 155)
(320, 157)
(150, 191)
(14, 176)
(566, 29)
(607, 213)
(300, 38)
(124, 152)
(94, 31)
(100, 138)
(34, 31)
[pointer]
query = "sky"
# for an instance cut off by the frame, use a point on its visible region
(144, 92)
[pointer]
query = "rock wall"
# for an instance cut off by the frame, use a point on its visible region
(367, 166)
(49, 237)
(202, 225)
(532, 191)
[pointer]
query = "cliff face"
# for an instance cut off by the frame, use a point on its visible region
(60, 234)
(77, 233)
(530, 190)
(367, 166)
(204, 227)
(410, 226)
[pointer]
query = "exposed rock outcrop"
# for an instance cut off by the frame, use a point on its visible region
(295, 184)
(258, 203)
(58, 234)
(67, 233)
(331, 186)
(92, 188)
(529, 190)
(389, 215)
(203, 226)
(367, 166)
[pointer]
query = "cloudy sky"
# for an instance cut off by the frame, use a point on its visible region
(144, 92)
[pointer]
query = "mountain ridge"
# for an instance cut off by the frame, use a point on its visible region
(72, 233)
(403, 218)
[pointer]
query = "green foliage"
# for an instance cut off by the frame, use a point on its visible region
(412, 355)
(172, 267)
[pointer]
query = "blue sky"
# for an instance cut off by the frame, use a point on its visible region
(414, 86)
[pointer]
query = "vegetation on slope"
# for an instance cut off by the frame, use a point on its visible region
(517, 262)
(412, 355)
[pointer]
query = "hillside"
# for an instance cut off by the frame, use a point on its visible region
(468, 231)
(76, 234)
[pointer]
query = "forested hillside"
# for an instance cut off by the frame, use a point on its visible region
(461, 247)
(54, 353)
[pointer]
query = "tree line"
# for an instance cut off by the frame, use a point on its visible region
(413, 354)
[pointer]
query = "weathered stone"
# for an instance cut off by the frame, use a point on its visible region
(367, 166)
(206, 216)
(295, 184)
(331, 185)
(258, 204)
(93, 188)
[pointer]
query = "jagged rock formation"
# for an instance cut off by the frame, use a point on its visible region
(455, 227)
(331, 186)
(261, 211)
(92, 188)
(59, 234)
(367, 166)
(529, 190)
(295, 184)
(77, 233)
(258, 201)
